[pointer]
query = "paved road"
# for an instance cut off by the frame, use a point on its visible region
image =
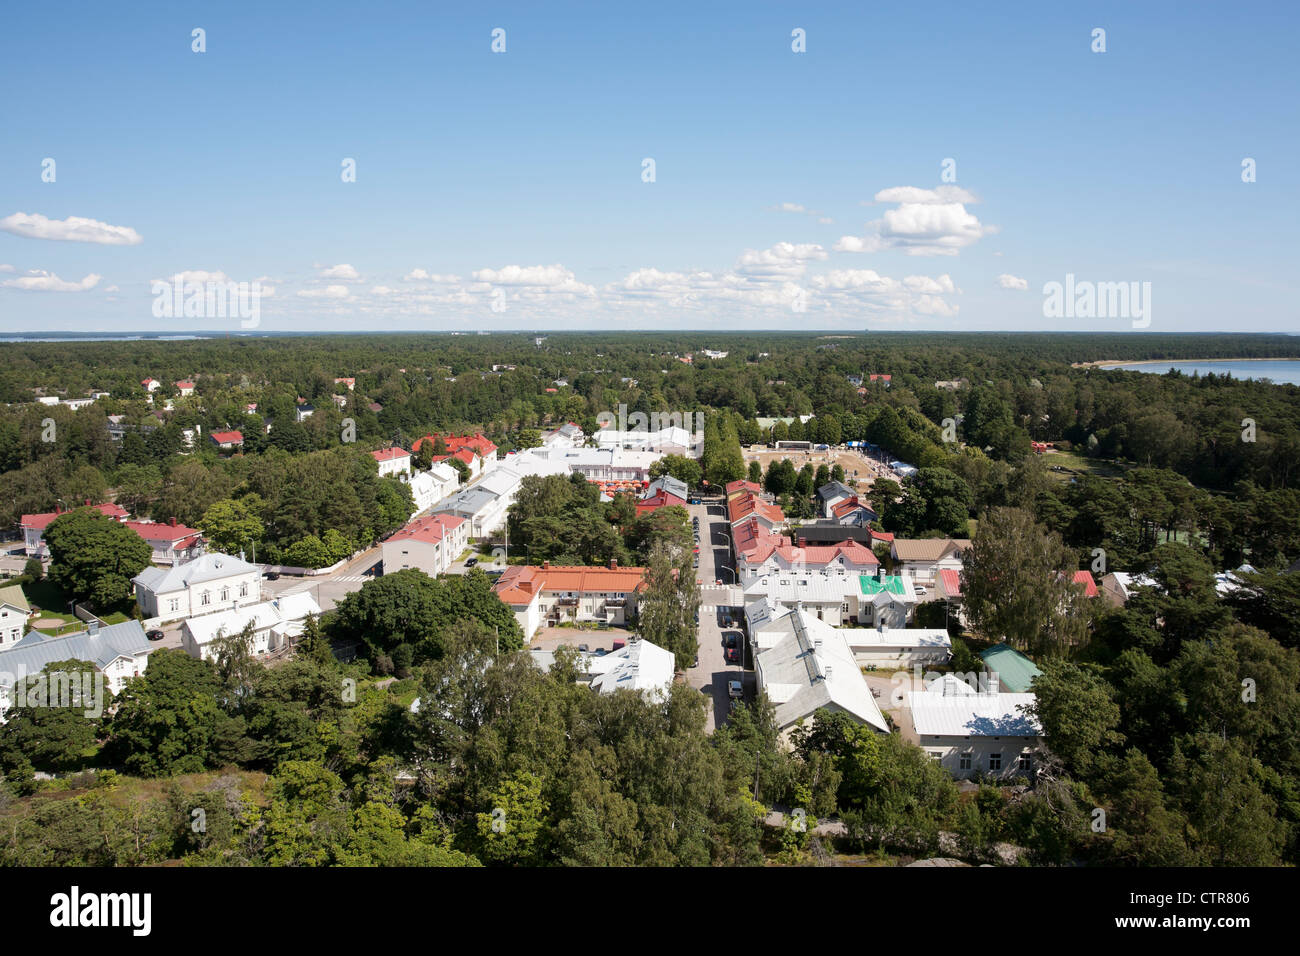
(714, 671)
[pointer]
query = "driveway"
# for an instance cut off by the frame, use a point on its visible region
(714, 672)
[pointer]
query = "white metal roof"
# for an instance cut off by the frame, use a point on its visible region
(935, 713)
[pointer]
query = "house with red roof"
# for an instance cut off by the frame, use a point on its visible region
(172, 542)
(393, 462)
(477, 452)
(185, 388)
(551, 594)
(661, 493)
(746, 505)
(777, 555)
(33, 526)
(151, 384)
(227, 441)
(430, 544)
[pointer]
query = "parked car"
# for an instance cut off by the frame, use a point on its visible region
(271, 576)
(584, 648)
(154, 635)
(731, 655)
(470, 562)
(730, 640)
(735, 689)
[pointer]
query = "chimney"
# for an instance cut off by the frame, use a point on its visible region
(92, 627)
(613, 563)
(546, 565)
(173, 521)
(87, 502)
(803, 542)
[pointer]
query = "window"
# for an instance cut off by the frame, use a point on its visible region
(1025, 763)
(243, 589)
(935, 756)
(964, 764)
(174, 604)
(995, 762)
(225, 594)
(206, 599)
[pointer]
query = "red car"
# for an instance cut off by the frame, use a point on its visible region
(732, 655)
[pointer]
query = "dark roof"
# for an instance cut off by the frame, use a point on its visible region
(831, 532)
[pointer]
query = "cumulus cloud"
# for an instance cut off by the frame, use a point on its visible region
(329, 292)
(1007, 281)
(785, 260)
(72, 229)
(420, 275)
(555, 279)
(926, 222)
(4, 267)
(38, 280)
(915, 194)
(343, 271)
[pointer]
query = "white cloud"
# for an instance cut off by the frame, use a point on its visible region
(38, 280)
(7, 268)
(72, 229)
(422, 276)
(927, 222)
(329, 292)
(536, 279)
(915, 194)
(196, 276)
(791, 207)
(785, 260)
(343, 271)
(1013, 282)
(111, 288)
(380, 290)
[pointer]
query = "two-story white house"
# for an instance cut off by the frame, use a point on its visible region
(208, 584)
(974, 731)
(118, 651)
(14, 614)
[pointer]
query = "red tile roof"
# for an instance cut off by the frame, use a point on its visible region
(747, 504)
(40, 522)
(390, 454)
(520, 583)
(1089, 585)
(475, 443)
(169, 531)
(741, 485)
(227, 438)
(430, 529)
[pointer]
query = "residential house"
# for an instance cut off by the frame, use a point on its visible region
(304, 412)
(185, 388)
(118, 651)
(1118, 586)
(975, 733)
(768, 623)
(479, 453)
(227, 441)
(923, 558)
(393, 462)
(430, 487)
(172, 543)
(663, 492)
(639, 665)
(549, 594)
(808, 667)
(351, 383)
(430, 544)
(275, 624)
(775, 555)
(831, 494)
(33, 526)
(151, 385)
(205, 585)
(14, 614)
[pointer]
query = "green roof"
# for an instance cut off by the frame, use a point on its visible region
(873, 585)
(14, 597)
(1015, 671)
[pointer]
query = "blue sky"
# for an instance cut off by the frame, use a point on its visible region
(791, 190)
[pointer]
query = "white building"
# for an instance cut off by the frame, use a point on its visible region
(973, 733)
(118, 651)
(430, 544)
(275, 624)
(549, 594)
(770, 623)
(14, 613)
(640, 666)
(430, 487)
(838, 596)
(208, 584)
(809, 667)
(923, 558)
(394, 462)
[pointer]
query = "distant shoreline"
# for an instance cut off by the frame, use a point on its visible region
(1113, 363)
